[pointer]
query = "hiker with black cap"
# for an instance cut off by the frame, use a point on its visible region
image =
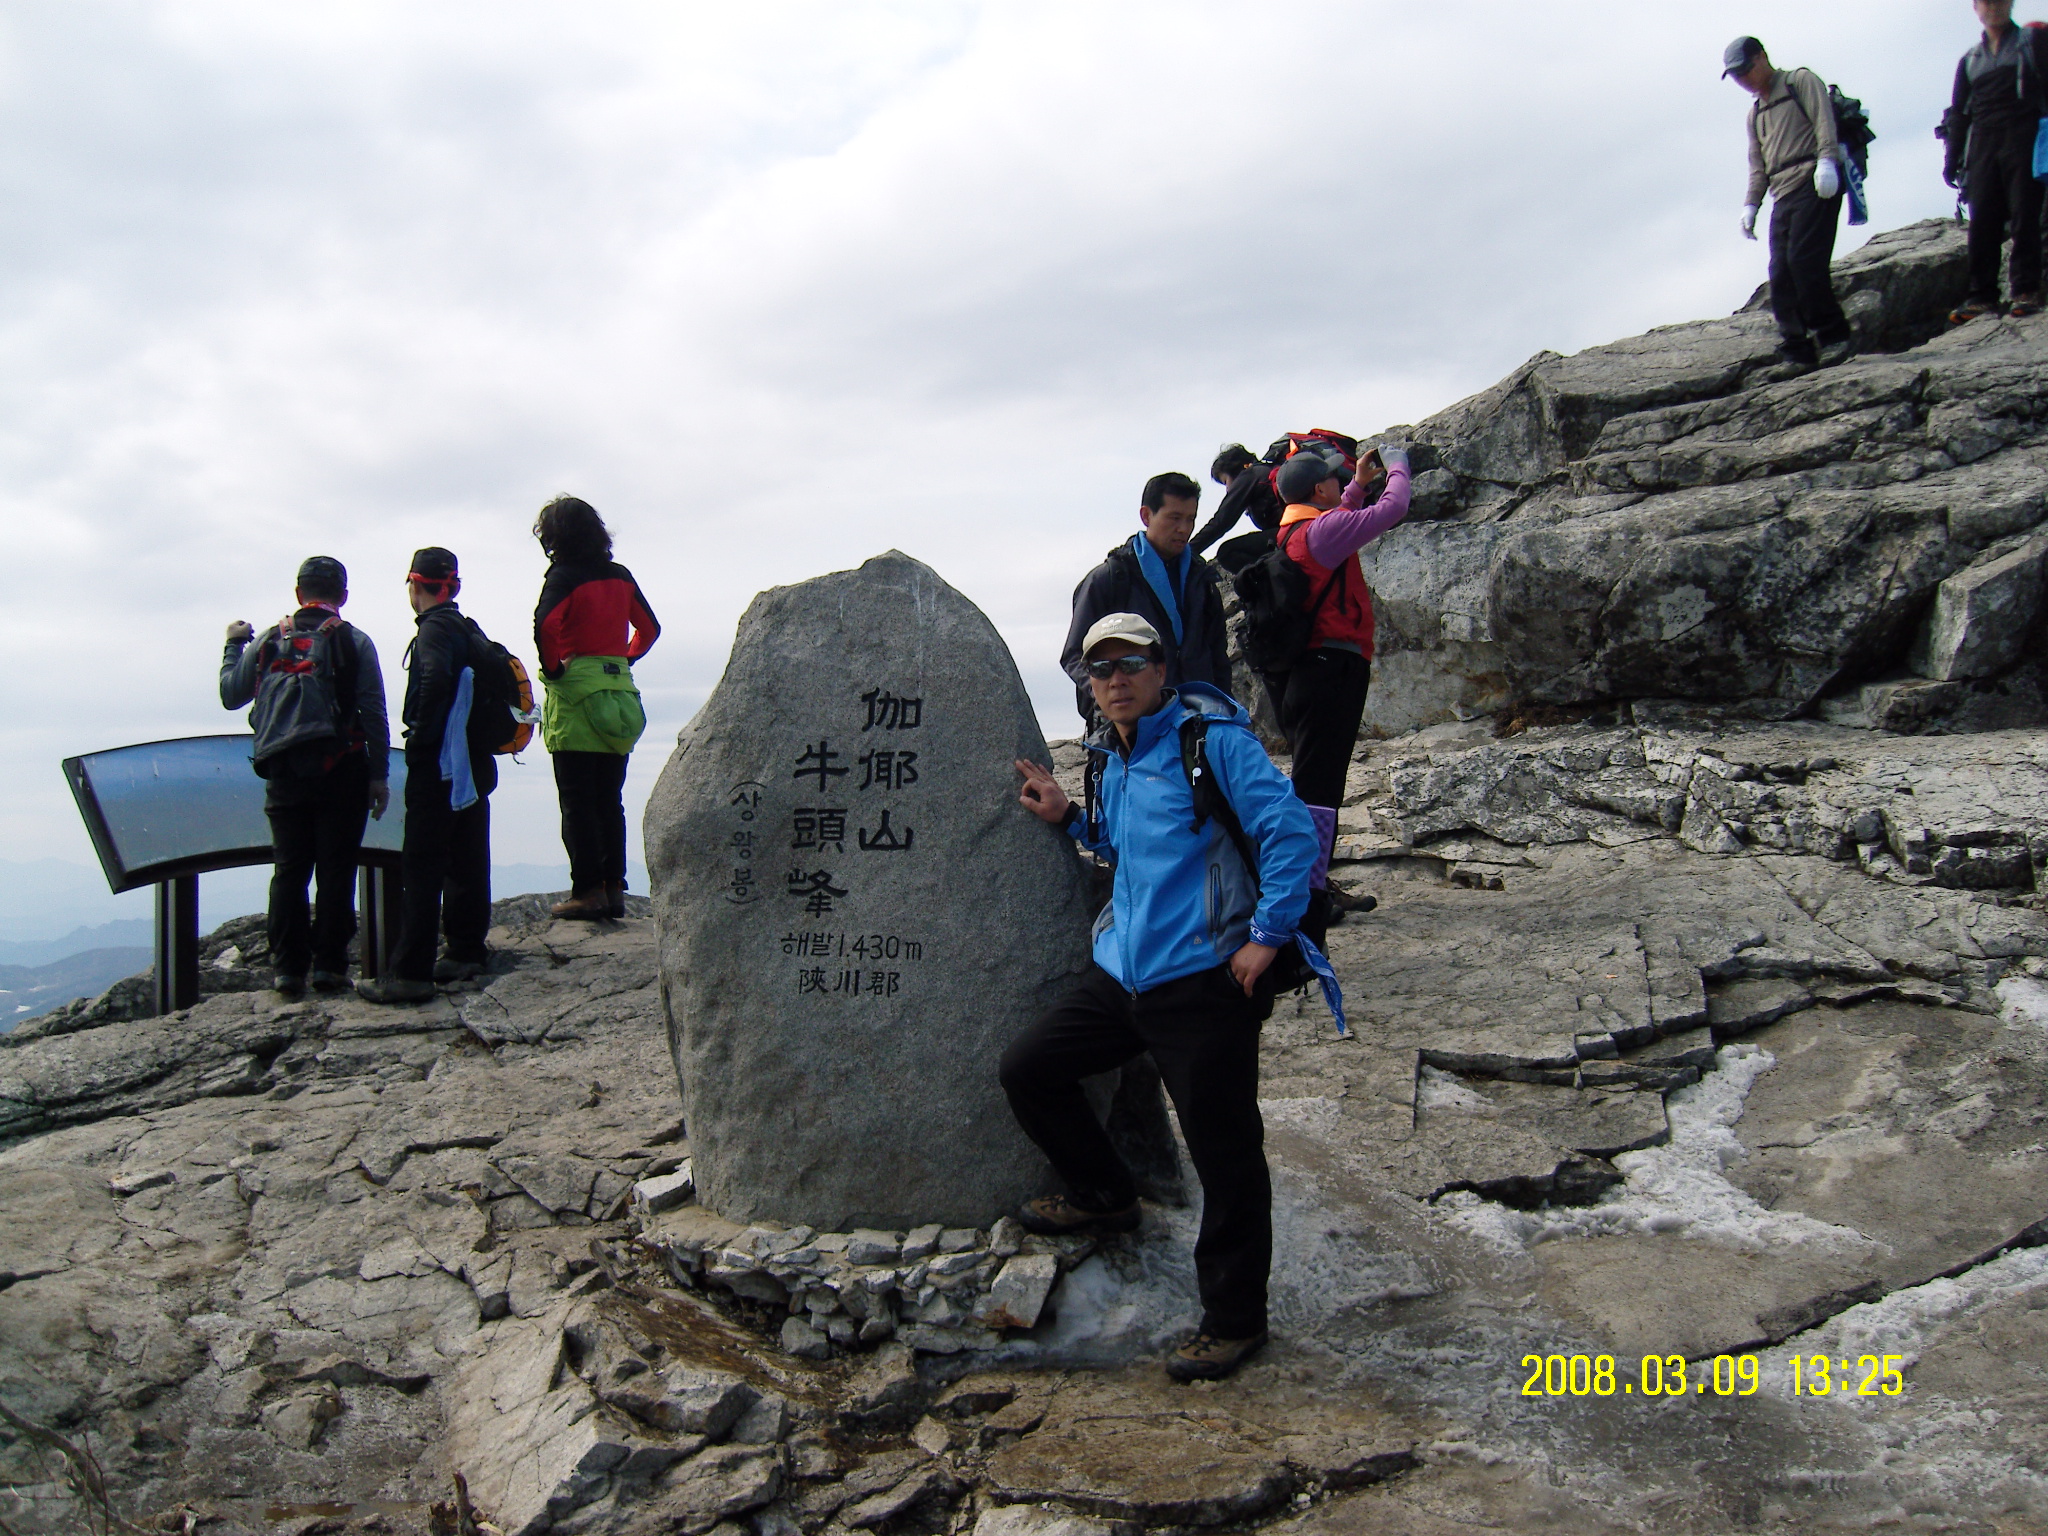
(2000, 97)
(445, 864)
(1320, 696)
(1794, 154)
(1208, 895)
(1155, 574)
(322, 747)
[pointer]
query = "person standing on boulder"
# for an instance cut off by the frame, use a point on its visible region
(1180, 954)
(2000, 97)
(1156, 575)
(592, 624)
(1793, 156)
(445, 862)
(322, 747)
(1320, 699)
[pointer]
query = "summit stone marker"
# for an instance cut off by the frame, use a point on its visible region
(856, 916)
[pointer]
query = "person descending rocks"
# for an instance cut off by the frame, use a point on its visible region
(322, 747)
(449, 775)
(2000, 97)
(1180, 955)
(1320, 695)
(1248, 493)
(591, 625)
(1793, 155)
(1155, 575)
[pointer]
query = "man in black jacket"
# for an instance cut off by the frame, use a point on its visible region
(1156, 576)
(446, 862)
(2001, 95)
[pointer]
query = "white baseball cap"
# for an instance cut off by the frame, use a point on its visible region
(1119, 626)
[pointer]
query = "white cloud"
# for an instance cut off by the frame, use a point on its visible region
(780, 287)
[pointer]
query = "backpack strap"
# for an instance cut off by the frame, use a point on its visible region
(1341, 576)
(1091, 793)
(1210, 801)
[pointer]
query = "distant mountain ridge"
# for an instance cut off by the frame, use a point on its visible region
(125, 932)
(29, 990)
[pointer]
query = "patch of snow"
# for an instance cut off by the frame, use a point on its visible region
(1681, 1187)
(2023, 1000)
(1445, 1090)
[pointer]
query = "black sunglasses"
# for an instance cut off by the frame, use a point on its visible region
(1130, 666)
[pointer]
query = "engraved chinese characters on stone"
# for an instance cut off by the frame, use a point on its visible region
(837, 1033)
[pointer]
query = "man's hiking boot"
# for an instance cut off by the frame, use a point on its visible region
(1835, 353)
(584, 906)
(1208, 1358)
(458, 970)
(329, 981)
(395, 989)
(2026, 304)
(615, 898)
(1057, 1216)
(284, 984)
(1971, 309)
(1788, 362)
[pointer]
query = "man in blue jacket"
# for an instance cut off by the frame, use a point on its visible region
(1179, 956)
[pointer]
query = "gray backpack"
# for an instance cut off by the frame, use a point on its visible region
(296, 706)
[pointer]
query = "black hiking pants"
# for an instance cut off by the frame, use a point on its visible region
(446, 869)
(1803, 226)
(1320, 704)
(2004, 200)
(1203, 1033)
(316, 833)
(592, 789)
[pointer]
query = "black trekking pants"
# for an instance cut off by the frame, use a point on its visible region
(446, 869)
(2004, 199)
(1803, 226)
(1203, 1033)
(592, 789)
(1320, 704)
(316, 832)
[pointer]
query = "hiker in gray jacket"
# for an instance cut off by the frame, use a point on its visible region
(1793, 154)
(321, 746)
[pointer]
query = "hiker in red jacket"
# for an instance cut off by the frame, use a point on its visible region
(1321, 698)
(592, 624)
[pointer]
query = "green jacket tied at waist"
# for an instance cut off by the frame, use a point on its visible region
(592, 707)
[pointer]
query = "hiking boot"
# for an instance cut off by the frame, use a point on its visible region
(584, 906)
(1344, 901)
(2026, 304)
(615, 898)
(329, 981)
(1057, 1216)
(458, 970)
(1835, 353)
(1971, 309)
(1208, 1358)
(287, 985)
(395, 989)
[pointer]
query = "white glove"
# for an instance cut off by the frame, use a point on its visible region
(1827, 180)
(1749, 222)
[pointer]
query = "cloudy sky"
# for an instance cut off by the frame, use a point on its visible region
(781, 286)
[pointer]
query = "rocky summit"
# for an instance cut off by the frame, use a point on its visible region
(1684, 1171)
(1661, 519)
(831, 848)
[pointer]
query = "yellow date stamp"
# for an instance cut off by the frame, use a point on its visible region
(1660, 1376)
